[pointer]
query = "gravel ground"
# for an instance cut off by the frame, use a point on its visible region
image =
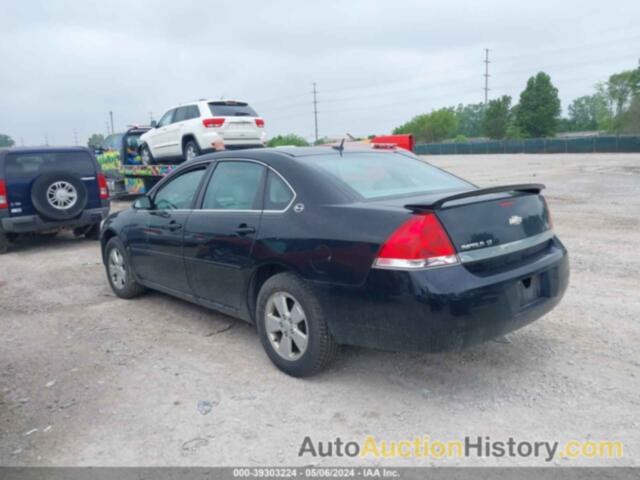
(89, 379)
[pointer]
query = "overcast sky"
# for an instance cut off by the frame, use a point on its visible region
(66, 64)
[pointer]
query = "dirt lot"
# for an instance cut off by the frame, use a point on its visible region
(89, 379)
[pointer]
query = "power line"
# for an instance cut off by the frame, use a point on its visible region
(505, 74)
(486, 75)
(315, 109)
(401, 85)
(111, 120)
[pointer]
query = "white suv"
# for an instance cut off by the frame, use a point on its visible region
(186, 131)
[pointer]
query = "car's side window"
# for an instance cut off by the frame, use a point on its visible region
(180, 115)
(234, 186)
(278, 195)
(178, 193)
(193, 112)
(166, 118)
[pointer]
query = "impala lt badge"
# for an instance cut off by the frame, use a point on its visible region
(515, 220)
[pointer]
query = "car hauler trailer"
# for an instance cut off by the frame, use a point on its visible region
(119, 158)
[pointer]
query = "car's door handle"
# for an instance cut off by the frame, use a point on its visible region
(244, 229)
(174, 226)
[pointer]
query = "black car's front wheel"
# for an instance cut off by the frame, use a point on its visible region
(292, 327)
(119, 271)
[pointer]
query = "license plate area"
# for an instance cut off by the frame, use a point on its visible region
(529, 290)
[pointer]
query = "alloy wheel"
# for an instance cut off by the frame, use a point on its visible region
(62, 195)
(145, 156)
(190, 152)
(117, 269)
(286, 326)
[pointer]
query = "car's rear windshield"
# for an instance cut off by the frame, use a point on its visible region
(33, 164)
(376, 175)
(231, 109)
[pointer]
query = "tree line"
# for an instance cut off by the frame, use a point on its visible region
(614, 107)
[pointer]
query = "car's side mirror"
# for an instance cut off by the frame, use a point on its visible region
(154, 124)
(142, 203)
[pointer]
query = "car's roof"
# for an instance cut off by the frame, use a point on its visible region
(44, 149)
(212, 100)
(295, 153)
(334, 150)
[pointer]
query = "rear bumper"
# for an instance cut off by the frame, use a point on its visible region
(206, 140)
(442, 309)
(34, 223)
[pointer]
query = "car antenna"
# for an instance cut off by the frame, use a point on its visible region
(340, 147)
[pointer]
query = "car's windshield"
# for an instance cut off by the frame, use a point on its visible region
(375, 175)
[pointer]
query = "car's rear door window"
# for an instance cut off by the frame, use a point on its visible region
(178, 193)
(234, 186)
(231, 109)
(193, 112)
(377, 175)
(30, 165)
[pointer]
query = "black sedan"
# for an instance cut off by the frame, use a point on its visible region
(325, 246)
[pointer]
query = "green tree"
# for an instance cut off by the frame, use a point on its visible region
(585, 111)
(539, 108)
(95, 140)
(618, 93)
(497, 116)
(631, 118)
(324, 140)
(470, 118)
(289, 139)
(431, 127)
(6, 141)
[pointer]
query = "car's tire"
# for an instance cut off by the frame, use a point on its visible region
(59, 195)
(146, 156)
(283, 334)
(119, 272)
(190, 150)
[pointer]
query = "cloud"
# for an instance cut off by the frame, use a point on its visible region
(66, 64)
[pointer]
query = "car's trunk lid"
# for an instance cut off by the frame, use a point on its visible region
(490, 217)
(494, 222)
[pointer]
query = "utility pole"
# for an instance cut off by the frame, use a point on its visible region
(111, 120)
(315, 109)
(486, 75)
(107, 124)
(150, 117)
(46, 140)
(75, 136)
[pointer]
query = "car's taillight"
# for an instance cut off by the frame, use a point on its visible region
(215, 122)
(4, 203)
(260, 122)
(419, 242)
(102, 183)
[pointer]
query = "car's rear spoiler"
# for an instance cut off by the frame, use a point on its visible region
(523, 187)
